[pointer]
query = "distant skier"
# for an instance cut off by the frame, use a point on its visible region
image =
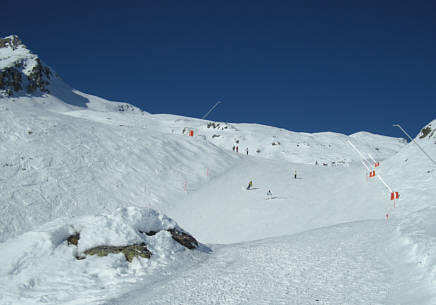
(233, 148)
(316, 162)
(237, 149)
(269, 193)
(247, 151)
(295, 174)
(250, 184)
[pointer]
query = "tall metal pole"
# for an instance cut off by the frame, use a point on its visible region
(398, 125)
(204, 116)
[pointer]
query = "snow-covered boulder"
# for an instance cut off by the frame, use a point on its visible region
(38, 263)
(130, 229)
(126, 231)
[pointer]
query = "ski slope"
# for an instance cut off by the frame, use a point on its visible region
(319, 197)
(72, 162)
(322, 237)
(344, 264)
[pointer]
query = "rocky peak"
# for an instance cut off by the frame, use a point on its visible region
(11, 41)
(21, 72)
(427, 132)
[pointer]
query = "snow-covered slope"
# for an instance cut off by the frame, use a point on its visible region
(55, 164)
(413, 174)
(326, 148)
(67, 157)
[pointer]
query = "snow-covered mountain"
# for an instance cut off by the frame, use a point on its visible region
(72, 163)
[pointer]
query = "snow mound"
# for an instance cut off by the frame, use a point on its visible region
(36, 264)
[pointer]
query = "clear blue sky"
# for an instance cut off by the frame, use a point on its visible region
(341, 66)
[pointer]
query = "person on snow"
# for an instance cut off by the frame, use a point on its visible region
(295, 174)
(250, 184)
(237, 148)
(247, 151)
(269, 193)
(233, 148)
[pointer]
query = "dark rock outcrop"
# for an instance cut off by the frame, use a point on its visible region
(183, 238)
(16, 76)
(10, 80)
(426, 131)
(11, 41)
(74, 239)
(36, 78)
(129, 252)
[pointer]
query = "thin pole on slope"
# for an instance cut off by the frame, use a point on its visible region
(372, 158)
(363, 157)
(378, 176)
(364, 164)
(207, 113)
(401, 128)
(387, 186)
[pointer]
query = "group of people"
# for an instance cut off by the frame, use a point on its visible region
(250, 185)
(269, 193)
(236, 148)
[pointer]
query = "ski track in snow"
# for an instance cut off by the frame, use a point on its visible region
(310, 268)
(335, 246)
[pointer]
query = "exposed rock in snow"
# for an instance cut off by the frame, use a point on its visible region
(130, 251)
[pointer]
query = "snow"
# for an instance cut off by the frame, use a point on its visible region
(40, 266)
(309, 268)
(72, 162)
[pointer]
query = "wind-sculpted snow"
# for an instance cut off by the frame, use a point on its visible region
(55, 164)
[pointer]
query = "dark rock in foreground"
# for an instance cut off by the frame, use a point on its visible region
(129, 251)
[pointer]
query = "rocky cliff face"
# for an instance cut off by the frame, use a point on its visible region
(428, 131)
(21, 72)
(11, 41)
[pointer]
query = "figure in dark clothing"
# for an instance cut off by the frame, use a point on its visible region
(250, 184)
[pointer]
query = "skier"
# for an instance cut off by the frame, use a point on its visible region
(250, 184)
(295, 174)
(233, 148)
(247, 151)
(237, 148)
(269, 193)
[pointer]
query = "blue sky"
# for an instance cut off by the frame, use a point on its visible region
(342, 66)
